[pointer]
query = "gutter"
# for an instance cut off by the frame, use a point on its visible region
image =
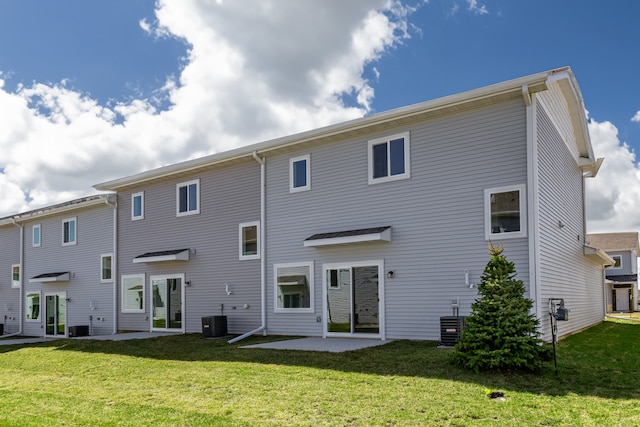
(263, 254)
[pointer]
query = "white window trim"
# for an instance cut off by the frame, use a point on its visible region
(616, 268)
(102, 279)
(311, 308)
(123, 308)
(307, 159)
(19, 285)
(26, 307)
(488, 234)
(240, 241)
(187, 184)
(133, 196)
(75, 232)
(407, 158)
(33, 235)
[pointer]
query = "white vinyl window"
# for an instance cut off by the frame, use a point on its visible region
(188, 198)
(36, 236)
(16, 277)
(300, 173)
(617, 262)
(249, 240)
(505, 212)
(293, 287)
(132, 289)
(106, 268)
(137, 206)
(389, 158)
(69, 231)
(33, 306)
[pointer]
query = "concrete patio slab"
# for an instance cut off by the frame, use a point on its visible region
(332, 345)
(116, 337)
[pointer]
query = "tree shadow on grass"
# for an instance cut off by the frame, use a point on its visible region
(602, 361)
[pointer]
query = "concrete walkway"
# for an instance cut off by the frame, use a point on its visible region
(332, 345)
(116, 337)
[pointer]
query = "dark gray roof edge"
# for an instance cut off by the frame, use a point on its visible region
(161, 253)
(348, 233)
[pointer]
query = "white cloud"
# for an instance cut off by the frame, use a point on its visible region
(613, 196)
(476, 8)
(254, 70)
(636, 118)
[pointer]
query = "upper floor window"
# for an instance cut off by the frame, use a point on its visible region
(299, 173)
(249, 240)
(187, 198)
(106, 267)
(15, 276)
(36, 232)
(137, 206)
(617, 261)
(389, 158)
(69, 231)
(505, 212)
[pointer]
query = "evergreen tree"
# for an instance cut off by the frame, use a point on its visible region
(500, 333)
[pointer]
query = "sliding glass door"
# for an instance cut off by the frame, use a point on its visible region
(167, 303)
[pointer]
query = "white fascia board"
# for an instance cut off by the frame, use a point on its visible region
(598, 255)
(60, 278)
(72, 205)
(181, 256)
(373, 237)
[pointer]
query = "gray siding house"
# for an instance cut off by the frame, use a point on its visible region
(66, 267)
(188, 245)
(375, 227)
(10, 277)
(622, 277)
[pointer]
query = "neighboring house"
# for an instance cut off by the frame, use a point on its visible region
(10, 277)
(63, 268)
(188, 237)
(375, 227)
(622, 276)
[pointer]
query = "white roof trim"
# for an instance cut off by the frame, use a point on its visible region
(598, 255)
(52, 277)
(183, 255)
(371, 237)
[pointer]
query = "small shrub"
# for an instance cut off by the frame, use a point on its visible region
(501, 333)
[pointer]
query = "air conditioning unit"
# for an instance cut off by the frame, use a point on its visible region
(78, 331)
(451, 330)
(214, 326)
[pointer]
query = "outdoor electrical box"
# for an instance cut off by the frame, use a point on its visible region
(214, 326)
(557, 310)
(562, 313)
(451, 330)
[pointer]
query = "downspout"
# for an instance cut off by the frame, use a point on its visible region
(263, 254)
(21, 298)
(114, 263)
(533, 219)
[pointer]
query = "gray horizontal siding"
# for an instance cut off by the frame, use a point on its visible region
(564, 270)
(9, 297)
(84, 289)
(229, 196)
(437, 216)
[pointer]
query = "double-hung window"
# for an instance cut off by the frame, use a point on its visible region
(36, 234)
(188, 198)
(299, 173)
(505, 212)
(617, 262)
(33, 306)
(132, 293)
(137, 206)
(69, 231)
(249, 240)
(106, 268)
(389, 158)
(15, 276)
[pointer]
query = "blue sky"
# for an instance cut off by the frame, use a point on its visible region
(91, 91)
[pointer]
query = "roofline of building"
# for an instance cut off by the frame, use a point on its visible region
(533, 83)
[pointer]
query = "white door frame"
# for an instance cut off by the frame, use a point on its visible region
(63, 295)
(182, 302)
(381, 303)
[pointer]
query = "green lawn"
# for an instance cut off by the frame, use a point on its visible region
(188, 380)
